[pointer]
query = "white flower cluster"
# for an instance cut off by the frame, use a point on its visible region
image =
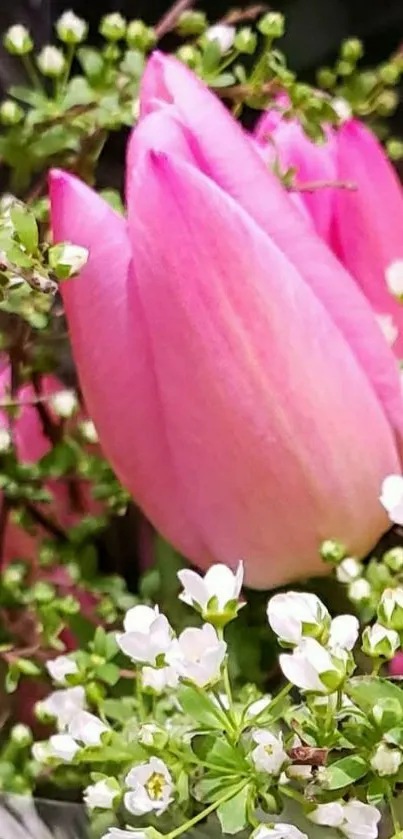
(198, 653)
(321, 657)
(77, 727)
(353, 819)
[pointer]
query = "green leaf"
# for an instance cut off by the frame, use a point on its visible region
(223, 80)
(27, 667)
(376, 792)
(345, 771)
(227, 756)
(212, 786)
(26, 227)
(17, 256)
(233, 813)
(119, 710)
(108, 673)
(27, 95)
(78, 92)
(201, 708)
(211, 57)
(367, 692)
(92, 62)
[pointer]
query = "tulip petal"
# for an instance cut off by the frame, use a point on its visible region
(368, 223)
(226, 155)
(267, 470)
(111, 348)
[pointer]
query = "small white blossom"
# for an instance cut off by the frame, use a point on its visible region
(63, 747)
(269, 755)
(40, 751)
(294, 614)
(354, 819)
(378, 641)
(63, 705)
(349, 569)
(71, 28)
(64, 403)
(89, 432)
(87, 728)
(391, 497)
(390, 609)
(51, 61)
(386, 761)
(159, 678)
(146, 734)
(359, 590)
(344, 631)
(312, 667)
(388, 328)
(197, 655)
(299, 772)
(60, 667)
(278, 831)
(342, 108)
(223, 35)
(5, 440)
(151, 788)
(71, 257)
(219, 583)
(257, 707)
(101, 794)
(147, 635)
(394, 277)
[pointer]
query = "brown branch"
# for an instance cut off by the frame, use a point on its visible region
(48, 524)
(235, 16)
(170, 19)
(314, 185)
(4, 514)
(241, 92)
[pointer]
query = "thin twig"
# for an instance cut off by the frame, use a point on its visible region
(21, 403)
(314, 185)
(241, 92)
(40, 518)
(170, 19)
(235, 16)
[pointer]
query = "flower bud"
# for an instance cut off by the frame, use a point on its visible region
(71, 29)
(64, 403)
(326, 78)
(390, 73)
(293, 615)
(17, 40)
(386, 761)
(10, 112)
(223, 35)
(21, 735)
(348, 570)
(395, 149)
(387, 103)
(5, 441)
(51, 61)
(192, 23)
(359, 591)
(246, 40)
(139, 36)
(387, 713)
(352, 50)
(188, 55)
(390, 609)
(332, 551)
(394, 559)
(113, 27)
(272, 25)
(379, 642)
(67, 260)
(89, 432)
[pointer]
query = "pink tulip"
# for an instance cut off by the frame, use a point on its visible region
(363, 226)
(235, 372)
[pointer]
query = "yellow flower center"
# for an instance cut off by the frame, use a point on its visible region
(268, 750)
(155, 786)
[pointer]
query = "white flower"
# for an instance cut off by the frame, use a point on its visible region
(394, 277)
(390, 609)
(220, 583)
(51, 61)
(391, 497)
(299, 772)
(278, 831)
(70, 28)
(73, 257)
(388, 328)
(63, 747)
(18, 40)
(257, 707)
(5, 440)
(378, 641)
(223, 34)
(342, 108)
(89, 432)
(61, 667)
(359, 590)
(344, 631)
(312, 667)
(87, 728)
(151, 788)
(64, 403)
(159, 678)
(197, 655)
(386, 761)
(146, 734)
(118, 833)
(349, 569)
(63, 705)
(40, 751)
(147, 635)
(354, 819)
(269, 755)
(101, 795)
(294, 614)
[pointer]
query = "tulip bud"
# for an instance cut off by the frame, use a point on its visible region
(113, 27)
(394, 559)
(192, 23)
(10, 112)
(379, 642)
(390, 609)
(386, 761)
(272, 25)
(51, 61)
(139, 36)
(18, 41)
(71, 29)
(246, 40)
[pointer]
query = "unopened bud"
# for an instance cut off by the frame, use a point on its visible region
(89, 432)
(64, 403)
(223, 35)
(71, 29)
(10, 112)
(139, 36)
(17, 40)
(332, 551)
(246, 40)
(113, 27)
(272, 25)
(352, 50)
(192, 23)
(51, 61)
(380, 642)
(5, 441)
(21, 735)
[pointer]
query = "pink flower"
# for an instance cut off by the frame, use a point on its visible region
(236, 375)
(363, 226)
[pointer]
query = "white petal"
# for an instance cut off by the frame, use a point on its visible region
(394, 277)
(344, 632)
(329, 815)
(140, 618)
(220, 582)
(194, 588)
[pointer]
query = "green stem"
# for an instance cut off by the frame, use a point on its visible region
(290, 792)
(62, 82)
(203, 815)
(31, 73)
(377, 666)
(139, 697)
(395, 820)
(339, 704)
(271, 705)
